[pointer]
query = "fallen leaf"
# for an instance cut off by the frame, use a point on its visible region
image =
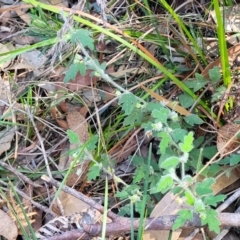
(3, 49)
(90, 96)
(35, 59)
(232, 54)
(4, 92)
(224, 181)
(224, 134)
(71, 204)
(167, 206)
(8, 228)
(59, 3)
(61, 123)
(24, 16)
(230, 17)
(6, 137)
(77, 123)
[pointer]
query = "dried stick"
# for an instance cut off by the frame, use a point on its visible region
(229, 201)
(123, 226)
(18, 174)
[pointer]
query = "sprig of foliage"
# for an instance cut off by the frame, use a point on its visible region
(177, 149)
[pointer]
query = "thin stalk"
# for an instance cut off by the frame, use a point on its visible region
(222, 45)
(144, 200)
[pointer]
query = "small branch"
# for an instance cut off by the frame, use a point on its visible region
(225, 230)
(18, 174)
(229, 201)
(123, 226)
(81, 196)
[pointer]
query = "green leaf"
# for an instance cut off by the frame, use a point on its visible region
(193, 119)
(122, 195)
(94, 172)
(178, 190)
(235, 159)
(165, 183)
(212, 220)
(187, 144)
(169, 153)
(73, 70)
(200, 82)
(161, 115)
(178, 134)
(84, 37)
(186, 100)
(147, 126)
(197, 142)
(213, 169)
(134, 118)
(128, 102)
(154, 105)
(73, 137)
(103, 66)
(209, 152)
(214, 200)
(189, 198)
(91, 144)
(204, 187)
(226, 160)
(183, 216)
(125, 210)
(199, 206)
(218, 93)
(137, 161)
(215, 74)
(165, 140)
(170, 162)
(197, 83)
(139, 174)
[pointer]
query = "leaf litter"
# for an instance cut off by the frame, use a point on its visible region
(50, 98)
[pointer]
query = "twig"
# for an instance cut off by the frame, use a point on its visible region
(123, 225)
(18, 174)
(225, 230)
(44, 156)
(229, 201)
(41, 143)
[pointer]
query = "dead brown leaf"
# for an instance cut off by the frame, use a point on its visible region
(224, 181)
(59, 3)
(169, 205)
(6, 137)
(77, 123)
(61, 123)
(232, 54)
(8, 228)
(224, 134)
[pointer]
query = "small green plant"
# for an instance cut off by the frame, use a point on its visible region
(179, 151)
